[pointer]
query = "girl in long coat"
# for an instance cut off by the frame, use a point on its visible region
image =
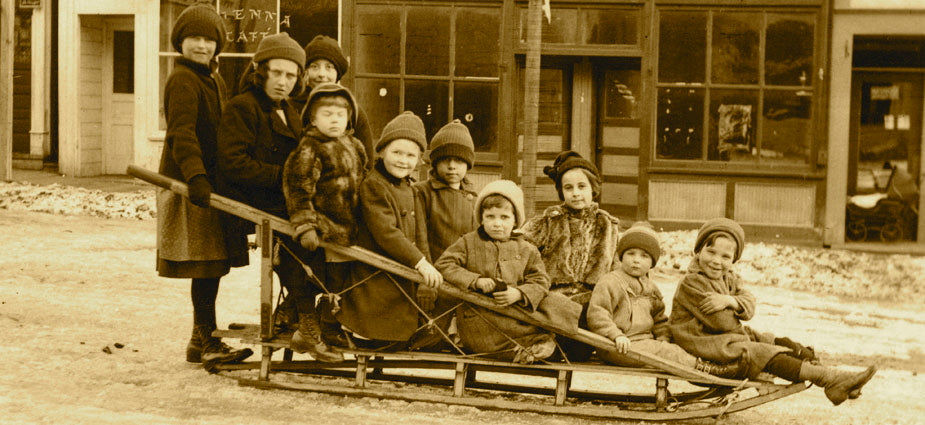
(190, 242)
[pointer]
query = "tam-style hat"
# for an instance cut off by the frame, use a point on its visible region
(725, 225)
(406, 125)
(453, 140)
(510, 191)
(324, 47)
(566, 161)
(280, 46)
(643, 236)
(198, 20)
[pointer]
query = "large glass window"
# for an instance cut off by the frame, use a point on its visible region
(444, 66)
(586, 25)
(735, 86)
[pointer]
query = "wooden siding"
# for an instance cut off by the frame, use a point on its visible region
(686, 200)
(90, 92)
(620, 137)
(775, 204)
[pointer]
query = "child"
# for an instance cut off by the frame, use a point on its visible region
(320, 181)
(190, 237)
(495, 261)
(711, 303)
(391, 223)
(627, 307)
(578, 240)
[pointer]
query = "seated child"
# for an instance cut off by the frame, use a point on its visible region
(391, 223)
(628, 308)
(320, 181)
(710, 305)
(495, 261)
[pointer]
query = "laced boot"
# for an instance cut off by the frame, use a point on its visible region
(285, 318)
(540, 349)
(215, 352)
(194, 348)
(838, 384)
(331, 331)
(735, 370)
(307, 339)
(799, 350)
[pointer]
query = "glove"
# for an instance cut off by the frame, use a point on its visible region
(427, 297)
(200, 191)
(309, 240)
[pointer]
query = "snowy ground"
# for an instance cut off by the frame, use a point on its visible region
(92, 335)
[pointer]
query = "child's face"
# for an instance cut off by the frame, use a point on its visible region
(499, 222)
(452, 170)
(400, 157)
(281, 78)
(717, 258)
(330, 120)
(198, 49)
(636, 262)
(576, 189)
(320, 71)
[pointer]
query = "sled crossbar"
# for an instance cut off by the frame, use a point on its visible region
(356, 376)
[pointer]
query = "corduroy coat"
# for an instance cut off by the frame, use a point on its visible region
(450, 213)
(190, 238)
(720, 337)
(391, 223)
(578, 247)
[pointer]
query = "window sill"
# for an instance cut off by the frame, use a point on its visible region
(744, 170)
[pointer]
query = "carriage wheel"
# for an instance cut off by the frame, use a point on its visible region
(891, 232)
(856, 230)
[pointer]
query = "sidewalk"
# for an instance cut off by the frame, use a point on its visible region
(108, 183)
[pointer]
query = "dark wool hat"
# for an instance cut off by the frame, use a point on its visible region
(565, 161)
(198, 20)
(453, 140)
(643, 236)
(724, 225)
(324, 47)
(280, 46)
(406, 125)
(333, 89)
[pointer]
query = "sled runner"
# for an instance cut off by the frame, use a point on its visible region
(590, 389)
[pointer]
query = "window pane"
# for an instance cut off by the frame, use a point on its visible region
(428, 44)
(123, 62)
(231, 70)
(170, 10)
(476, 105)
(786, 130)
(380, 99)
(303, 20)
(735, 47)
(682, 47)
(478, 42)
(610, 26)
(562, 29)
(732, 125)
(247, 22)
(621, 94)
(789, 50)
(378, 39)
(429, 100)
(680, 123)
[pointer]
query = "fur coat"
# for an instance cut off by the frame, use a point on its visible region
(578, 247)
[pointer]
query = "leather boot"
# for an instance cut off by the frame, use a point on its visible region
(194, 348)
(307, 339)
(838, 384)
(214, 351)
(735, 370)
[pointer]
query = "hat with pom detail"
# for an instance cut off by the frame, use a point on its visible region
(453, 140)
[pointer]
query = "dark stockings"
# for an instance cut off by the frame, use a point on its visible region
(204, 291)
(785, 365)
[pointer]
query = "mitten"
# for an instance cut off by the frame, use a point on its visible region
(200, 190)
(309, 240)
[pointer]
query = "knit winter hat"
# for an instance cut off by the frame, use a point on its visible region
(510, 191)
(724, 225)
(198, 20)
(280, 46)
(406, 125)
(332, 89)
(324, 47)
(643, 236)
(565, 161)
(453, 140)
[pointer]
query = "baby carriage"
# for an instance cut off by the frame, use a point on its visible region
(888, 217)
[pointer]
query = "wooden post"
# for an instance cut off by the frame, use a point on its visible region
(531, 104)
(459, 380)
(7, 22)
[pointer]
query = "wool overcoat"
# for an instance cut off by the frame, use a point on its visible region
(610, 309)
(450, 213)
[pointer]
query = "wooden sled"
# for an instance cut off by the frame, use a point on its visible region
(553, 388)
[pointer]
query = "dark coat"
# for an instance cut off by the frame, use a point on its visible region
(450, 213)
(321, 179)
(190, 239)
(391, 223)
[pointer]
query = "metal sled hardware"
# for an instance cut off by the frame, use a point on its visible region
(567, 388)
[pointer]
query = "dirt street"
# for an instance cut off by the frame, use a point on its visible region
(90, 334)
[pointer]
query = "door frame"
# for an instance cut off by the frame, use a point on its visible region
(111, 24)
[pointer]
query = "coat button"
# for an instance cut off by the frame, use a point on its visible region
(403, 213)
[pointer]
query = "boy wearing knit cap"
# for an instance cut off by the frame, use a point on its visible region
(711, 304)
(498, 262)
(628, 308)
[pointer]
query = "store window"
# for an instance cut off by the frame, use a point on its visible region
(445, 65)
(586, 25)
(736, 86)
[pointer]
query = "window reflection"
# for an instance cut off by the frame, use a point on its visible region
(378, 39)
(430, 101)
(732, 125)
(680, 123)
(682, 49)
(735, 47)
(610, 26)
(789, 51)
(475, 105)
(428, 43)
(786, 129)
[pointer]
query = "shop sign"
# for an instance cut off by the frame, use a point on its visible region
(30, 4)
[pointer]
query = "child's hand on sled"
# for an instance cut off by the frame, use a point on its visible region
(714, 303)
(485, 285)
(309, 240)
(508, 296)
(622, 343)
(432, 277)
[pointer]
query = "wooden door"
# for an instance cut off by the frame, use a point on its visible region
(118, 95)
